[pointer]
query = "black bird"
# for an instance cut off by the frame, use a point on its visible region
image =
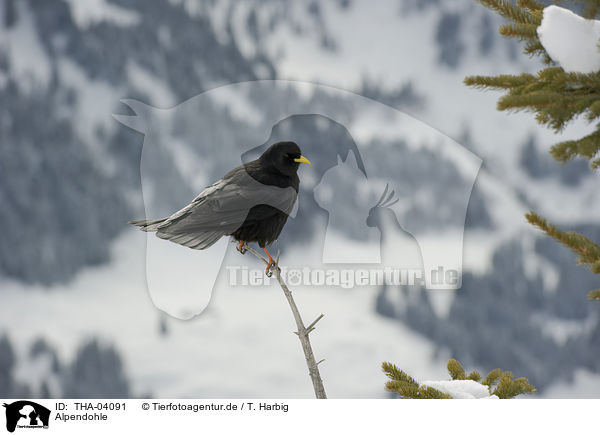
(251, 203)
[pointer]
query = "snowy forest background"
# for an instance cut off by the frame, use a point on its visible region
(75, 316)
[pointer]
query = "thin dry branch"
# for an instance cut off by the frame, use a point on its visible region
(302, 332)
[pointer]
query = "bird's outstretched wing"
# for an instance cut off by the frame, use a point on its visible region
(220, 210)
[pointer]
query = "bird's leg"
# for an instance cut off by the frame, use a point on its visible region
(270, 264)
(242, 247)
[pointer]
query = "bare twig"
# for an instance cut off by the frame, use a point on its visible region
(312, 325)
(302, 333)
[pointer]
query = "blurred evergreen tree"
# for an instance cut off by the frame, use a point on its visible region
(96, 372)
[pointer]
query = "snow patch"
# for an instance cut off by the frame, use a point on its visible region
(462, 389)
(204, 357)
(159, 93)
(536, 265)
(239, 105)
(94, 106)
(570, 40)
(561, 330)
(87, 13)
(585, 385)
(30, 65)
(34, 372)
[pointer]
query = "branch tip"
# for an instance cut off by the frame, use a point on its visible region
(312, 325)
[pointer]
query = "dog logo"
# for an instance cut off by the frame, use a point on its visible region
(26, 414)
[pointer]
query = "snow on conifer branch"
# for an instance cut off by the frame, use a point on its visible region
(557, 94)
(497, 384)
(570, 40)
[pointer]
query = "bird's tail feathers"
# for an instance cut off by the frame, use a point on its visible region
(148, 225)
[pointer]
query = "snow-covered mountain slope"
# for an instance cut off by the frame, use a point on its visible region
(243, 346)
(69, 180)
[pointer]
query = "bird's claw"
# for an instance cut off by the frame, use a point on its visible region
(242, 248)
(270, 266)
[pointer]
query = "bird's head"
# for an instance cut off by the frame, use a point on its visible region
(382, 207)
(284, 157)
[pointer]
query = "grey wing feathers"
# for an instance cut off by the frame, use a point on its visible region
(200, 240)
(219, 210)
(148, 225)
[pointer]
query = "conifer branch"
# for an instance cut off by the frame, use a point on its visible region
(594, 110)
(511, 11)
(594, 295)
(474, 376)
(534, 47)
(303, 332)
(455, 369)
(588, 253)
(395, 374)
(502, 81)
(505, 386)
(403, 389)
(508, 387)
(587, 147)
(426, 392)
(405, 386)
(591, 8)
(532, 5)
(555, 96)
(492, 377)
(518, 30)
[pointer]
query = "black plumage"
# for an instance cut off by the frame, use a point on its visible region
(251, 203)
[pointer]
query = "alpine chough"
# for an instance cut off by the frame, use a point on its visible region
(251, 203)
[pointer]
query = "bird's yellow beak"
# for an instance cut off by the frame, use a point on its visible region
(302, 159)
